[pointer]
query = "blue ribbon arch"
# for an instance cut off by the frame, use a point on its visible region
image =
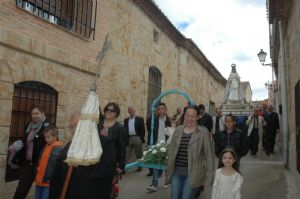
(153, 109)
(157, 101)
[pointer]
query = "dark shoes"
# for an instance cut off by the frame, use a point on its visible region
(139, 169)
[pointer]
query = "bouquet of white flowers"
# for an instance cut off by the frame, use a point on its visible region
(156, 154)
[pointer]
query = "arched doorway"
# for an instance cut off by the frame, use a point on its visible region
(25, 95)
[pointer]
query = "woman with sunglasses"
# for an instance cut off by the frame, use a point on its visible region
(115, 133)
(96, 181)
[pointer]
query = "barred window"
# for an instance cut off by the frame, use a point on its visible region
(154, 86)
(78, 16)
(25, 95)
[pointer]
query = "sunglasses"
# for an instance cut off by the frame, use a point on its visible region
(111, 110)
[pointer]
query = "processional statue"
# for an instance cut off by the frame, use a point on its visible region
(233, 88)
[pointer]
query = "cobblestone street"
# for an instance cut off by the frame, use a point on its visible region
(264, 178)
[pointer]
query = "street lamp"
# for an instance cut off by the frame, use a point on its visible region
(267, 85)
(262, 58)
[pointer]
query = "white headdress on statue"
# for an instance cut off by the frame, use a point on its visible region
(86, 148)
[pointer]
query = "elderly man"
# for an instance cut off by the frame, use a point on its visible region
(218, 122)
(136, 132)
(272, 128)
(255, 124)
(204, 118)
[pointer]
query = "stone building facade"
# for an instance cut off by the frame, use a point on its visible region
(247, 92)
(284, 47)
(57, 52)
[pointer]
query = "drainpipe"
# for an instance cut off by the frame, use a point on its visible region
(283, 87)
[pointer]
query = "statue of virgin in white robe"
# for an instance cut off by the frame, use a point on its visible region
(232, 90)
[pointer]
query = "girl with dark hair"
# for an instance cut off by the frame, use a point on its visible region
(228, 180)
(231, 137)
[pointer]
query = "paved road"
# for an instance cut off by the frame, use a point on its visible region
(264, 178)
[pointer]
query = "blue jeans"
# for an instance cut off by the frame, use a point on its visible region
(155, 177)
(41, 192)
(180, 188)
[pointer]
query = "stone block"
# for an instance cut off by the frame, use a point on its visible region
(2, 32)
(4, 138)
(37, 47)
(3, 162)
(15, 62)
(5, 73)
(29, 72)
(60, 117)
(6, 90)
(5, 110)
(16, 40)
(62, 99)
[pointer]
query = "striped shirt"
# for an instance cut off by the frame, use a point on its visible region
(182, 154)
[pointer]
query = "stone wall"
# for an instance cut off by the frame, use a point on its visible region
(135, 51)
(32, 49)
(292, 42)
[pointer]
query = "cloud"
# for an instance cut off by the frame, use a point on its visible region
(226, 36)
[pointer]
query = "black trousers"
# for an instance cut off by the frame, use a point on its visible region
(27, 175)
(253, 141)
(270, 141)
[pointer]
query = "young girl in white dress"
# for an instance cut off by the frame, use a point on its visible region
(228, 180)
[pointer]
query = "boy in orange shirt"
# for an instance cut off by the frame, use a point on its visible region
(42, 183)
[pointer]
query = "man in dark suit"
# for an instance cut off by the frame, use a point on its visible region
(161, 121)
(271, 129)
(205, 119)
(136, 131)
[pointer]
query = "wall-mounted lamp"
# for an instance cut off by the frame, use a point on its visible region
(262, 58)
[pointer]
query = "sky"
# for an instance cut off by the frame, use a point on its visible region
(227, 32)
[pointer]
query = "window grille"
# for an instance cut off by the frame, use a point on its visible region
(154, 86)
(155, 36)
(77, 16)
(25, 95)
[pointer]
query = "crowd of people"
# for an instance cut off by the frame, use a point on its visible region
(193, 137)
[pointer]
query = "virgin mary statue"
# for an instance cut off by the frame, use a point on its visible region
(232, 90)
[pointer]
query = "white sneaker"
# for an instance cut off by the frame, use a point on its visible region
(151, 188)
(167, 186)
